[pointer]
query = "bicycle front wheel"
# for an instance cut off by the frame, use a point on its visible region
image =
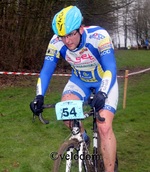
(68, 156)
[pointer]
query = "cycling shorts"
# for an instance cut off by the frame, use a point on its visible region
(82, 90)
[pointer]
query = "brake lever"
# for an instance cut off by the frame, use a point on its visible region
(35, 106)
(33, 118)
(101, 119)
(44, 121)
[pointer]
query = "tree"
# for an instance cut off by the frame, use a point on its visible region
(124, 7)
(135, 21)
(26, 27)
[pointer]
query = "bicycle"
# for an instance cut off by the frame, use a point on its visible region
(74, 155)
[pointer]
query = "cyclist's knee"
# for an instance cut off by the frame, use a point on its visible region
(105, 128)
(69, 96)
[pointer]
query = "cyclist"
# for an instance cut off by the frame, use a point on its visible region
(90, 52)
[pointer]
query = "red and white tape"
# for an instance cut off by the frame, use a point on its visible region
(141, 71)
(18, 73)
(28, 74)
(37, 74)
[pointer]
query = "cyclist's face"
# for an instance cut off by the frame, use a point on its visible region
(71, 40)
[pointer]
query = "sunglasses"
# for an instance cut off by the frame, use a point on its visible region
(70, 35)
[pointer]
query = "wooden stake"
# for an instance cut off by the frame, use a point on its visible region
(125, 89)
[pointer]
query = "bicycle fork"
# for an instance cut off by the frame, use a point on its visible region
(77, 135)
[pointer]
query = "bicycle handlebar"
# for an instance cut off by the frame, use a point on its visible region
(45, 121)
(49, 106)
(98, 116)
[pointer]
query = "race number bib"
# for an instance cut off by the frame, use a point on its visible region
(70, 109)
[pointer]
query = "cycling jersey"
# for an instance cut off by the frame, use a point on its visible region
(92, 61)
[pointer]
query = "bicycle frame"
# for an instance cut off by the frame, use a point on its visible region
(76, 134)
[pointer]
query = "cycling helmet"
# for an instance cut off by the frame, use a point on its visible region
(66, 20)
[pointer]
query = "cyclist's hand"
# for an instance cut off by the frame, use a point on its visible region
(99, 100)
(36, 104)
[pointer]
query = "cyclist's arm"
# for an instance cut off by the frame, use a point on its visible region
(108, 63)
(51, 59)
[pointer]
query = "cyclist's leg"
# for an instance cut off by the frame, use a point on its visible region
(108, 140)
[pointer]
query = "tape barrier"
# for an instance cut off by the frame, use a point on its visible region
(134, 73)
(28, 74)
(18, 73)
(37, 74)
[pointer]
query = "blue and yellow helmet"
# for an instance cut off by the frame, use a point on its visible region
(67, 20)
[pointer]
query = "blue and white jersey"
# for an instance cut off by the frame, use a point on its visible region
(93, 61)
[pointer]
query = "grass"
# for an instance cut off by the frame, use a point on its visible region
(26, 146)
(132, 127)
(132, 59)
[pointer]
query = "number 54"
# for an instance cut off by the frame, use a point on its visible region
(66, 112)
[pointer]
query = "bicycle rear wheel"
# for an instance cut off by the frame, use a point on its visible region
(68, 158)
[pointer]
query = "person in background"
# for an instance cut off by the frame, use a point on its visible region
(147, 44)
(90, 52)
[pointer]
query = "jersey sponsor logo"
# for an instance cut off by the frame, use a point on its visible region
(87, 76)
(106, 81)
(97, 36)
(104, 47)
(105, 41)
(51, 58)
(80, 59)
(105, 52)
(108, 107)
(52, 52)
(104, 85)
(83, 50)
(105, 44)
(86, 66)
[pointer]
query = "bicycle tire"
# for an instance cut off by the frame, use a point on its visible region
(60, 163)
(87, 162)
